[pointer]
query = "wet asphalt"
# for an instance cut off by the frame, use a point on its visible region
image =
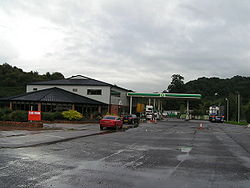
(166, 154)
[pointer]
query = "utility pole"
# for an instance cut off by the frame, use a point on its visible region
(227, 109)
(238, 107)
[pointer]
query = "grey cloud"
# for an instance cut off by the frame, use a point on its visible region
(140, 44)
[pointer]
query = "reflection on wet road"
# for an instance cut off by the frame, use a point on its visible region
(167, 154)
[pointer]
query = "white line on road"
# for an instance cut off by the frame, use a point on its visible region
(54, 136)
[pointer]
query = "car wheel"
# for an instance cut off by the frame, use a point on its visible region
(101, 128)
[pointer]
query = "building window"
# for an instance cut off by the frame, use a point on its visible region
(94, 92)
(34, 89)
(115, 93)
(74, 90)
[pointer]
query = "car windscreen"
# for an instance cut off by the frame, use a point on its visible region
(109, 117)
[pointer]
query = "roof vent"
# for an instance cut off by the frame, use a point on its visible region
(78, 77)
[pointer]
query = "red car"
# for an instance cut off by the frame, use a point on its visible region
(111, 121)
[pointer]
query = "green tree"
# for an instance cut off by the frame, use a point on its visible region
(248, 115)
(13, 80)
(177, 84)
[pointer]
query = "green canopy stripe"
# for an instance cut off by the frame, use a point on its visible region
(172, 95)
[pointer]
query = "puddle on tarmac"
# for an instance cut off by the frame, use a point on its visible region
(185, 149)
(185, 156)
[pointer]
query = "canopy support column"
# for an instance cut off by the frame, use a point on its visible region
(187, 116)
(130, 105)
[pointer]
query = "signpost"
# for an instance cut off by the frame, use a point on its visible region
(34, 116)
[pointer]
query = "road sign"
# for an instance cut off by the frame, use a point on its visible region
(34, 116)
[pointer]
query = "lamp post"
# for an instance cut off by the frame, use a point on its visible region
(238, 97)
(227, 109)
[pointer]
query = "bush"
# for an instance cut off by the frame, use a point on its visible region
(58, 116)
(52, 116)
(4, 114)
(248, 115)
(18, 116)
(72, 115)
(47, 116)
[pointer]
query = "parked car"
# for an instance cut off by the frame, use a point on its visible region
(111, 122)
(149, 116)
(131, 119)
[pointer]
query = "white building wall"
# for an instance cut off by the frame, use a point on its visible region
(122, 100)
(81, 90)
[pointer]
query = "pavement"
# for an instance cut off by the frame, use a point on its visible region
(55, 133)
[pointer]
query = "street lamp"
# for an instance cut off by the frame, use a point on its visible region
(238, 97)
(227, 109)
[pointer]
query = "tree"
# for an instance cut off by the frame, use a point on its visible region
(56, 76)
(13, 80)
(248, 115)
(177, 84)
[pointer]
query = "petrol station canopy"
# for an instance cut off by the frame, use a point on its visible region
(165, 95)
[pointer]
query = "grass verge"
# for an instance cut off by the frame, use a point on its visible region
(236, 122)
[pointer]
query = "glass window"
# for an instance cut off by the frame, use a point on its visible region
(34, 89)
(94, 92)
(115, 93)
(74, 90)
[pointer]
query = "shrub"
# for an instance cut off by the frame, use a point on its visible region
(72, 115)
(52, 116)
(248, 115)
(111, 114)
(57, 116)
(47, 116)
(18, 116)
(4, 113)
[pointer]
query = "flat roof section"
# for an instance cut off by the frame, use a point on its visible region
(166, 95)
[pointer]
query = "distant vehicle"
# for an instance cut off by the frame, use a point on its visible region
(165, 113)
(149, 112)
(216, 113)
(158, 115)
(111, 122)
(131, 119)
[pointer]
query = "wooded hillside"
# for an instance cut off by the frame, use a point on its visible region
(215, 91)
(216, 87)
(13, 80)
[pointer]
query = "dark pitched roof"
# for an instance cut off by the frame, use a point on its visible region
(5, 98)
(76, 80)
(54, 94)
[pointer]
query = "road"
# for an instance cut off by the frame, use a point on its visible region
(166, 154)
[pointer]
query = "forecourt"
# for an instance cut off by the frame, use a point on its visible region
(163, 96)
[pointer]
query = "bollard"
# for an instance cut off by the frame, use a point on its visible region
(201, 126)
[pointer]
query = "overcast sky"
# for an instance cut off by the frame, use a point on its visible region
(137, 44)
